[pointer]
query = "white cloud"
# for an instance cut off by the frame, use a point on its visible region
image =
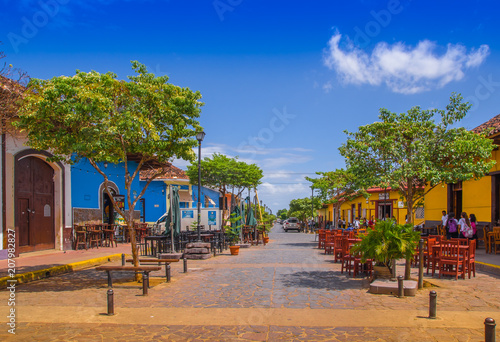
(404, 69)
(327, 87)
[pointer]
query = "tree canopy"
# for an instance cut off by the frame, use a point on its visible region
(302, 208)
(336, 187)
(412, 153)
(282, 214)
(225, 174)
(98, 117)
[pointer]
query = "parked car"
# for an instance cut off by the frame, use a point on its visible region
(160, 223)
(292, 224)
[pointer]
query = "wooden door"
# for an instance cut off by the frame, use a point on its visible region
(34, 204)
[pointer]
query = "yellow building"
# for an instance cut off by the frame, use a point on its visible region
(380, 203)
(480, 197)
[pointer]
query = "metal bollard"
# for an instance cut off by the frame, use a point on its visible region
(401, 289)
(393, 268)
(214, 248)
(185, 265)
(167, 269)
(421, 264)
(489, 330)
(123, 259)
(145, 283)
(432, 304)
(111, 307)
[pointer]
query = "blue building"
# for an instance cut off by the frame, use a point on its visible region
(156, 198)
(90, 201)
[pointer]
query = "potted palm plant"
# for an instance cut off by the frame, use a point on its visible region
(265, 228)
(232, 233)
(388, 241)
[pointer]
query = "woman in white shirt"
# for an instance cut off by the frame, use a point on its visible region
(463, 224)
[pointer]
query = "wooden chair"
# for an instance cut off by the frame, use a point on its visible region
(108, 235)
(441, 230)
(346, 259)
(496, 239)
(329, 242)
(461, 241)
(451, 261)
(470, 262)
(337, 249)
(430, 258)
(321, 238)
(94, 235)
(438, 238)
(80, 237)
(481, 236)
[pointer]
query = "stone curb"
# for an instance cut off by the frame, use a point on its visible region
(56, 270)
(489, 268)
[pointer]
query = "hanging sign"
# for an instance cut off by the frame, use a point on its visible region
(212, 218)
(187, 214)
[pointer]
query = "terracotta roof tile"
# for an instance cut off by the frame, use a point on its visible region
(494, 123)
(171, 173)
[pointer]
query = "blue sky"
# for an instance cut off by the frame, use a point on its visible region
(281, 80)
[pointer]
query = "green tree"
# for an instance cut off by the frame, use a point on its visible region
(336, 187)
(301, 208)
(411, 153)
(227, 175)
(98, 117)
(282, 214)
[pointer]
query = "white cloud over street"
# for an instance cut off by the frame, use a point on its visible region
(402, 68)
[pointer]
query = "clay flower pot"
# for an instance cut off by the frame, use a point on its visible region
(266, 239)
(234, 250)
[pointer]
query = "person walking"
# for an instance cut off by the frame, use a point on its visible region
(473, 224)
(444, 218)
(451, 226)
(464, 226)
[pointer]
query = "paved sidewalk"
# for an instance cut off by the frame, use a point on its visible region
(288, 290)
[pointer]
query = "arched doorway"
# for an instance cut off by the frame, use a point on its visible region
(34, 204)
(108, 212)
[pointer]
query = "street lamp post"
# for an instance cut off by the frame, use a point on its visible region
(312, 205)
(199, 137)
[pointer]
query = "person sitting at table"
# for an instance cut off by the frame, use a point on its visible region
(472, 219)
(451, 226)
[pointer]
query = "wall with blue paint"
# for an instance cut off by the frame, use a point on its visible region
(155, 200)
(213, 195)
(85, 183)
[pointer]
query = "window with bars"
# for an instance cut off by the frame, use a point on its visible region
(420, 213)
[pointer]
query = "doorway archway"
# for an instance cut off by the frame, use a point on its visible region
(34, 204)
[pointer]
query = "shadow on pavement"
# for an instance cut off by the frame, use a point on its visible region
(301, 244)
(323, 280)
(82, 279)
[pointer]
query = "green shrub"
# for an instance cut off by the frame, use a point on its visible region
(387, 241)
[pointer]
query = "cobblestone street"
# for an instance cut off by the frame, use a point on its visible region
(287, 290)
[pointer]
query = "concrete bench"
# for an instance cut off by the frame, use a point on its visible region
(144, 269)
